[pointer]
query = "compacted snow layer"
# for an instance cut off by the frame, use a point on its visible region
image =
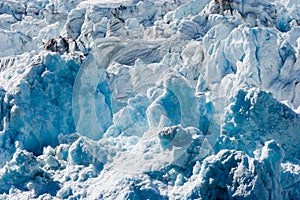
(185, 99)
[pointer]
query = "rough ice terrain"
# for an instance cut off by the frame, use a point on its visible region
(145, 99)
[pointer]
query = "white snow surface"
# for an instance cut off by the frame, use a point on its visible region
(144, 99)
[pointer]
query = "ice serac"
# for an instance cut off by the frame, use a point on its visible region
(233, 174)
(254, 117)
(177, 105)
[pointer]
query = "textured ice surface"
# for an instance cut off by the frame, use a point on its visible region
(144, 99)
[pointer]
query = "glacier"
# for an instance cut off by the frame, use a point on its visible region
(144, 99)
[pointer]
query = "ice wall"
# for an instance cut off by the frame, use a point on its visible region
(149, 99)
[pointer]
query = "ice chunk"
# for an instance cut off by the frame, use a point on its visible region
(131, 120)
(74, 23)
(64, 192)
(185, 144)
(290, 180)
(85, 152)
(6, 21)
(190, 30)
(24, 171)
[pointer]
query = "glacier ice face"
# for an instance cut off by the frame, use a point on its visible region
(149, 99)
(34, 87)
